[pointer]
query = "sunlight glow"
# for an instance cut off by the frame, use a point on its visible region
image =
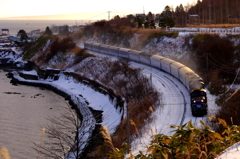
(17, 8)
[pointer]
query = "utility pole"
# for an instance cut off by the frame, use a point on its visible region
(128, 99)
(209, 14)
(186, 14)
(206, 55)
(109, 15)
(128, 123)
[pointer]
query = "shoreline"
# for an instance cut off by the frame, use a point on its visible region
(88, 122)
(91, 119)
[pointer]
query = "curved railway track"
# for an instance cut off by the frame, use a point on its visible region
(174, 108)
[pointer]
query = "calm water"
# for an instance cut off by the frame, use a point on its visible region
(28, 25)
(22, 116)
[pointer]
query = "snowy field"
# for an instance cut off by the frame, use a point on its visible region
(175, 100)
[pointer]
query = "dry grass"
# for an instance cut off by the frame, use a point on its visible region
(146, 31)
(4, 154)
(140, 115)
(104, 149)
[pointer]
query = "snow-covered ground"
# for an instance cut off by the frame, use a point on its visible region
(96, 100)
(175, 109)
(82, 94)
(234, 30)
(175, 101)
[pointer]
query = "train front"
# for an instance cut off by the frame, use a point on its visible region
(199, 102)
(198, 96)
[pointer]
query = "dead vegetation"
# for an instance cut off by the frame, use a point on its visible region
(61, 49)
(125, 80)
(116, 75)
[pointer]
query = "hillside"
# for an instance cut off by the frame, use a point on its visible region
(190, 49)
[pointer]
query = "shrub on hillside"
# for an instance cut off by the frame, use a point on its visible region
(125, 81)
(189, 142)
(159, 35)
(66, 44)
(62, 49)
(230, 110)
(220, 49)
(214, 52)
(58, 46)
(32, 48)
(62, 45)
(80, 54)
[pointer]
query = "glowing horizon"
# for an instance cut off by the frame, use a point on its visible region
(11, 9)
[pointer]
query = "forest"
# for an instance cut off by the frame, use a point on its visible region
(208, 12)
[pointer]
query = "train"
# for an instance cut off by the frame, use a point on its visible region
(191, 80)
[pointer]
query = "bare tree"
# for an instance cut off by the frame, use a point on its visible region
(61, 136)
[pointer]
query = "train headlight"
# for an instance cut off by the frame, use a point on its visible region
(202, 100)
(194, 101)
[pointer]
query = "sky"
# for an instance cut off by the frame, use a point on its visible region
(18, 8)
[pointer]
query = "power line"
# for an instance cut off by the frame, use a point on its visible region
(233, 93)
(97, 15)
(221, 63)
(232, 84)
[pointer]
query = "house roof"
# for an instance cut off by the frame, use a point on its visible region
(5, 30)
(12, 38)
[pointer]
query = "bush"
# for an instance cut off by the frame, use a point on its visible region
(220, 49)
(35, 47)
(230, 110)
(214, 52)
(125, 80)
(189, 142)
(66, 44)
(161, 34)
(80, 54)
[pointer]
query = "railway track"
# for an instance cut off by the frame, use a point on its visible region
(174, 108)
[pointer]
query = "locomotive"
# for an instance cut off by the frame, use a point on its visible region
(184, 74)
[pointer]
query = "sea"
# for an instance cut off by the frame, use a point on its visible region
(23, 115)
(28, 25)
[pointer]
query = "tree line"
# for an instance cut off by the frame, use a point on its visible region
(196, 13)
(207, 12)
(217, 11)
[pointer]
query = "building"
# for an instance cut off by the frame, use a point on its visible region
(194, 19)
(57, 29)
(5, 32)
(35, 34)
(14, 39)
(76, 28)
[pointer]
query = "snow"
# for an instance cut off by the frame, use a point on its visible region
(175, 101)
(231, 153)
(2, 44)
(33, 72)
(234, 30)
(96, 100)
(175, 109)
